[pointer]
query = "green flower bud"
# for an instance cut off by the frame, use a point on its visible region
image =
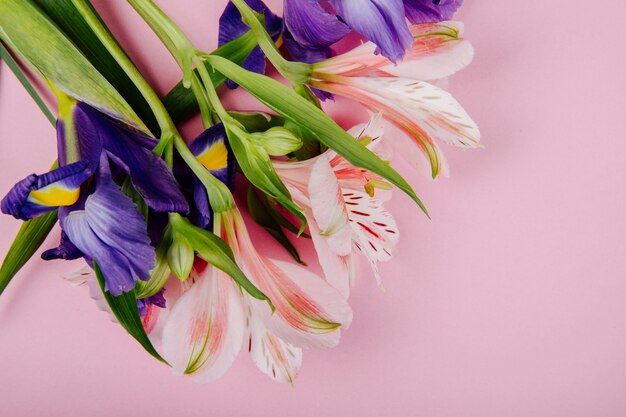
(277, 141)
(180, 256)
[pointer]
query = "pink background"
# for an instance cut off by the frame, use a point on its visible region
(510, 302)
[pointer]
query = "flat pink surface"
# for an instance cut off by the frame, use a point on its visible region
(510, 302)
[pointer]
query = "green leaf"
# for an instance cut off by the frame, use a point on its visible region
(31, 34)
(23, 79)
(30, 237)
(289, 104)
(261, 215)
(66, 17)
(216, 252)
(125, 310)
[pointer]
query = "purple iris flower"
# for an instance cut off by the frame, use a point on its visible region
(98, 220)
(381, 21)
(213, 151)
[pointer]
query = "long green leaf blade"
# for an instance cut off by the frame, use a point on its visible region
(23, 79)
(125, 311)
(28, 240)
(289, 104)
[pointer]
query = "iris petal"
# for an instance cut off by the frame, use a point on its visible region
(111, 231)
(311, 26)
(149, 174)
(425, 11)
(38, 194)
(381, 21)
(213, 151)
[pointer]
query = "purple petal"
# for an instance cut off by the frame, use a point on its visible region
(301, 53)
(209, 148)
(311, 25)
(232, 27)
(157, 300)
(381, 21)
(149, 174)
(212, 149)
(66, 250)
(425, 11)
(38, 194)
(112, 232)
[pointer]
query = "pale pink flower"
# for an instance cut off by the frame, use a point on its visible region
(400, 92)
(213, 319)
(343, 205)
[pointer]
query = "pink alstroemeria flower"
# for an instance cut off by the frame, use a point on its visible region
(423, 111)
(344, 207)
(213, 319)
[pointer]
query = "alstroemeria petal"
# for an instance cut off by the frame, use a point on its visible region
(205, 329)
(381, 21)
(338, 270)
(149, 174)
(112, 232)
(311, 26)
(328, 207)
(438, 52)
(309, 312)
(38, 194)
(273, 356)
(375, 231)
(424, 11)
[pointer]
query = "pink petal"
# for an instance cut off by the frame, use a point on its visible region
(204, 330)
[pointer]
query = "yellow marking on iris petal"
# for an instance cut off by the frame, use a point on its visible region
(215, 158)
(53, 196)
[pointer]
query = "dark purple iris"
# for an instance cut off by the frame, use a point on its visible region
(98, 220)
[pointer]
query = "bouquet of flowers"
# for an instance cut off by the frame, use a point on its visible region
(168, 252)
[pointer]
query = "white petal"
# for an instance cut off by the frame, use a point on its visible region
(328, 207)
(274, 357)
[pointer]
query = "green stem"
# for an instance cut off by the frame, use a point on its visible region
(206, 112)
(211, 93)
(296, 72)
(168, 129)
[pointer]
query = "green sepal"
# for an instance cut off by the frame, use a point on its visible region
(216, 252)
(260, 213)
(28, 240)
(124, 308)
(305, 114)
(30, 33)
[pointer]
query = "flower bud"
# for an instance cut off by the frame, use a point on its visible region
(277, 141)
(180, 256)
